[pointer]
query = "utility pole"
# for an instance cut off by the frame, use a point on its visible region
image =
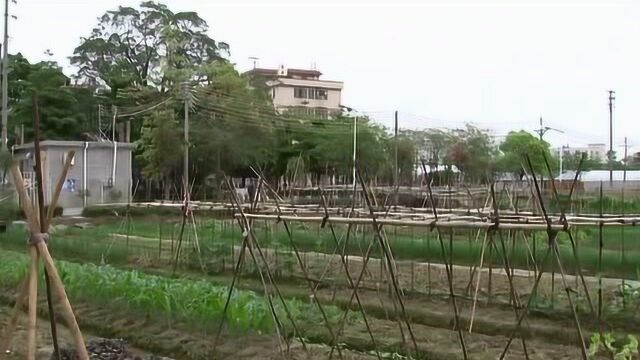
(561, 154)
(395, 138)
(185, 176)
(543, 130)
(355, 139)
(625, 160)
(610, 157)
(100, 120)
(114, 110)
(255, 61)
(5, 81)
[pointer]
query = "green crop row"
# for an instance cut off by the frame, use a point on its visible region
(193, 301)
(156, 239)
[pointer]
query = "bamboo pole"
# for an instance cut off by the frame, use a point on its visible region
(67, 313)
(432, 224)
(25, 201)
(40, 248)
(33, 305)
(475, 294)
(58, 188)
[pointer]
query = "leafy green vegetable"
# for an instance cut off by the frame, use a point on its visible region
(184, 299)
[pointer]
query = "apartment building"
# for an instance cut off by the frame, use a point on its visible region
(300, 91)
(593, 151)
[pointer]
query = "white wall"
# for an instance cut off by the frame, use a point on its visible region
(284, 97)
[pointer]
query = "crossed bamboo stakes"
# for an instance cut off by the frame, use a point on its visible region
(378, 220)
(38, 224)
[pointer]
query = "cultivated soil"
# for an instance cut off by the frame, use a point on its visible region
(549, 335)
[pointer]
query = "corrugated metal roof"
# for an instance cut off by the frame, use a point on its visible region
(65, 143)
(602, 175)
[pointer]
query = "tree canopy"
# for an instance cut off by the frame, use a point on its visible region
(60, 110)
(144, 46)
(470, 150)
(135, 63)
(520, 143)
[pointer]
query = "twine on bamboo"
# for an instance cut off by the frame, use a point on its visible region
(36, 238)
(37, 242)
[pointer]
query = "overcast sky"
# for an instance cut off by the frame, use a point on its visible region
(441, 63)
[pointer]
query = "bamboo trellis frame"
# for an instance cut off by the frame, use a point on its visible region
(490, 220)
(38, 251)
(38, 223)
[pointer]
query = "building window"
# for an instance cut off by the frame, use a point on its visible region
(310, 93)
(321, 94)
(300, 92)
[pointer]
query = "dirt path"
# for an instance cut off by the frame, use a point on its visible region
(159, 336)
(43, 337)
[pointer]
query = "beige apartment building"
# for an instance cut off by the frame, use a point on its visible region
(300, 91)
(594, 151)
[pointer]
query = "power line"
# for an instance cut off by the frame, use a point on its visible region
(610, 155)
(143, 110)
(275, 123)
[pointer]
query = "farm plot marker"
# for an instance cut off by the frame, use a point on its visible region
(448, 269)
(250, 242)
(38, 224)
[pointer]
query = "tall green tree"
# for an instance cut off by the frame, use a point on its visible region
(332, 147)
(145, 46)
(160, 146)
(520, 143)
(473, 153)
(470, 149)
(61, 114)
(407, 158)
(432, 145)
(232, 125)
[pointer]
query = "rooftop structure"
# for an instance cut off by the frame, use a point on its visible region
(300, 91)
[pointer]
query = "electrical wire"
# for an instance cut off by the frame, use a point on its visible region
(270, 124)
(142, 111)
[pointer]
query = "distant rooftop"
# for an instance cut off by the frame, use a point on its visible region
(285, 72)
(601, 175)
(78, 144)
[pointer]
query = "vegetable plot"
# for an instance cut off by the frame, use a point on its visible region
(196, 301)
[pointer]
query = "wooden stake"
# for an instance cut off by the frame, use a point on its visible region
(33, 305)
(475, 294)
(59, 184)
(67, 311)
(25, 201)
(42, 250)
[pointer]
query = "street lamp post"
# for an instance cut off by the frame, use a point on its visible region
(355, 139)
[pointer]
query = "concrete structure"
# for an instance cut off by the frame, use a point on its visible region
(300, 91)
(100, 172)
(594, 151)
